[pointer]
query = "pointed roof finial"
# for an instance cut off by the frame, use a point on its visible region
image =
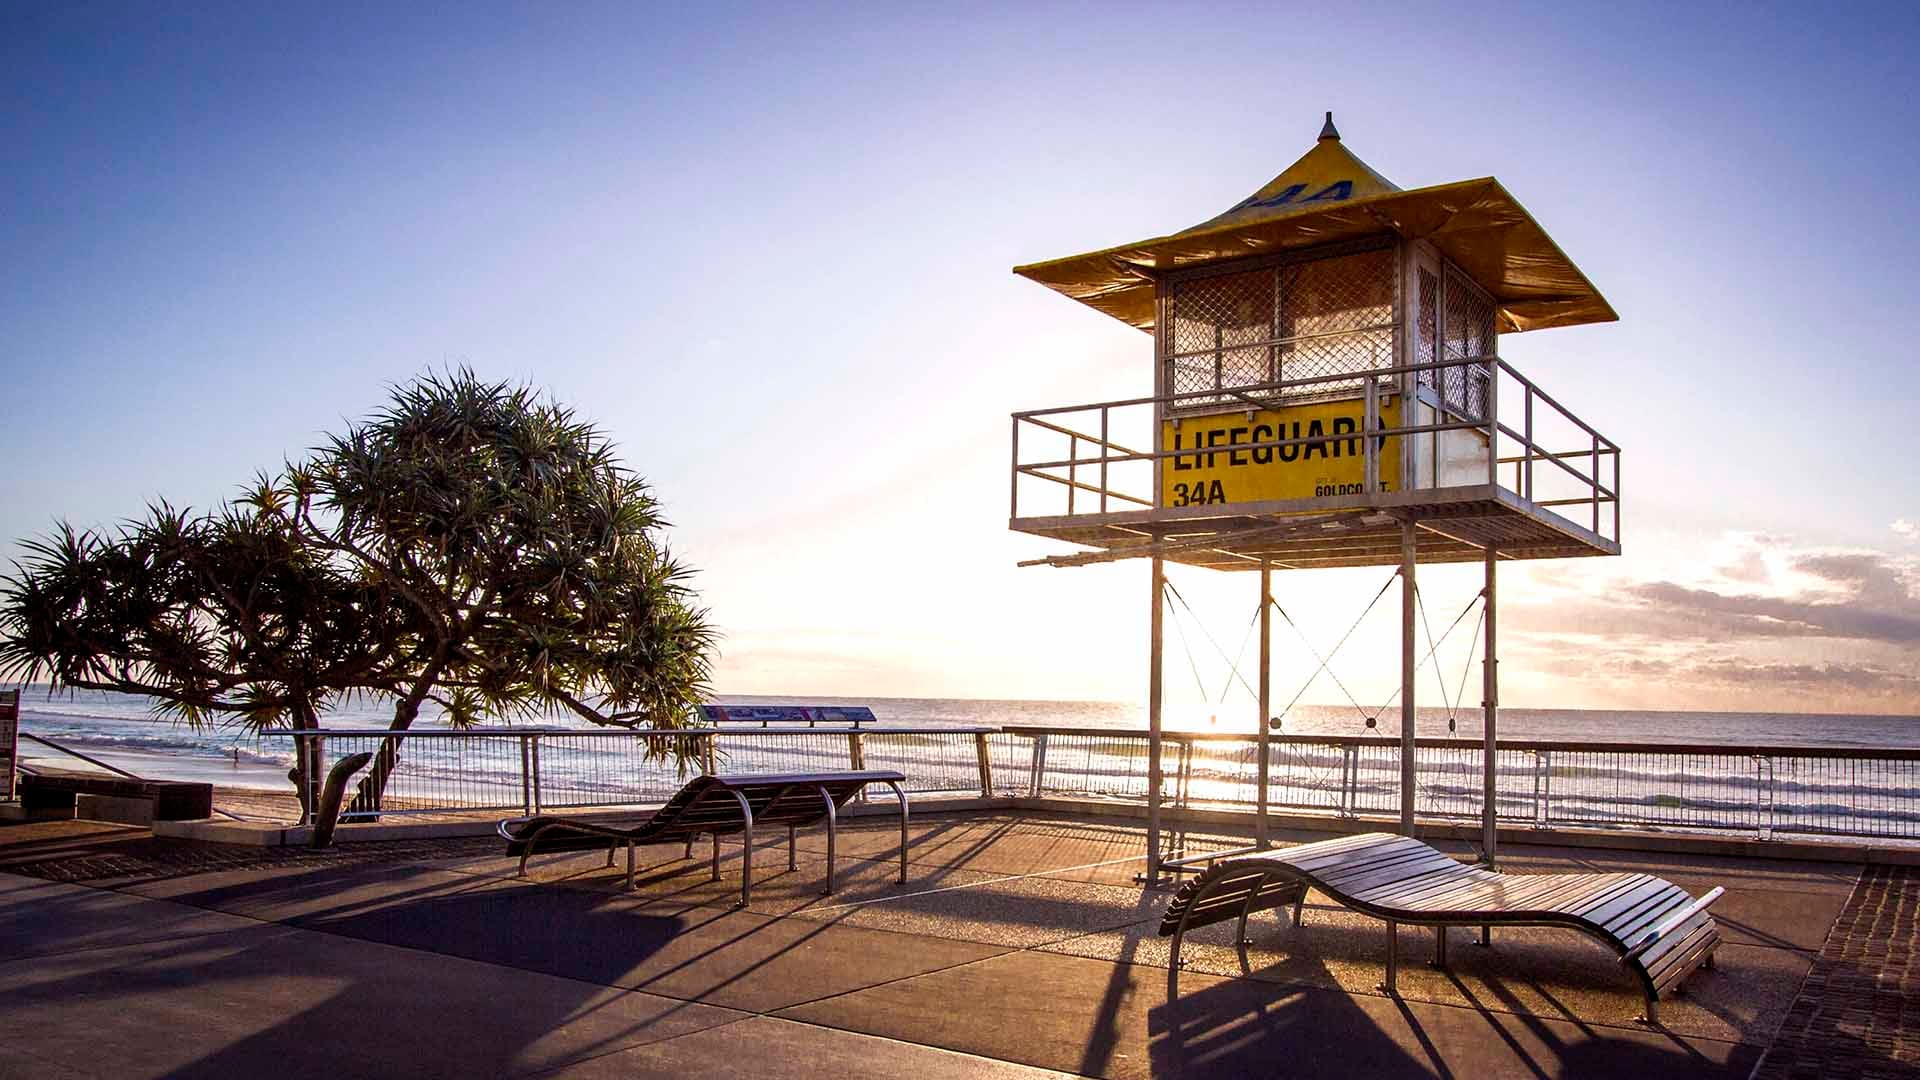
(1327, 130)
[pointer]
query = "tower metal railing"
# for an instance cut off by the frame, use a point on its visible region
(1558, 461)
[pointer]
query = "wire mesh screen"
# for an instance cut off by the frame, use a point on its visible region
(1426, 341)
(1469, 335)
(1223, 332)
(1325, 317)
(1453, 324)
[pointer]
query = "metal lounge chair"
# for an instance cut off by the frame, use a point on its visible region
(1659, 931)
(715, 806)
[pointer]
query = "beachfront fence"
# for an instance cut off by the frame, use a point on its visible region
(1759, 791)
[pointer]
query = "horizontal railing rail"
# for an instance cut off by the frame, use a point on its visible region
(1755, 790)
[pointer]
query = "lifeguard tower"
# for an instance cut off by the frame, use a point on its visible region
(1327, 391)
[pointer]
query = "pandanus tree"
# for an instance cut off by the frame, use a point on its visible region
(472, 544)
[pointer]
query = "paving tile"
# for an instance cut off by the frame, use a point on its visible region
(1115, 1020)
(1858, 1013)
(286, 1003)
(43, 917)
(770, 1049)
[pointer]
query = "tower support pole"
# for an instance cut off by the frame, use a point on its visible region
(1408, 663)
(1490, 703)
(1154, 693)
(1266, 701)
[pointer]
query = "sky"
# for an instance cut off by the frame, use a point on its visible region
(767, 250)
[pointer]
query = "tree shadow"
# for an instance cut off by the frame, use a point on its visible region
(272, 1001)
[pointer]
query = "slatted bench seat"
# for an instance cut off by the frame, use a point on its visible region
(715, 806)
(1660, 932)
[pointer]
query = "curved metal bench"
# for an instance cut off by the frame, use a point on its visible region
(1660, 932)
(716, 806)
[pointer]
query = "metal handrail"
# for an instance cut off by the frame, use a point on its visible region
(1534, 389)
(1078, 435)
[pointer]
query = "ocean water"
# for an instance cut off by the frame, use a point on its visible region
(121, 730)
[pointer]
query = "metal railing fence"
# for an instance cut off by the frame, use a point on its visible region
(1758, 791)
(529, 770)
(1763, 791)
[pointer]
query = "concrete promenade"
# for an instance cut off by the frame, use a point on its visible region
(1019, 947)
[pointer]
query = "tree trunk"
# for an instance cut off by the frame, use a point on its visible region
(369, 796)
(309, 760)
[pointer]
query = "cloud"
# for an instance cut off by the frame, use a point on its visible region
(1854, 595)
(1905, 529)
(1764, 624)
(1853, 618)
(1749, 567)
(1737, 672)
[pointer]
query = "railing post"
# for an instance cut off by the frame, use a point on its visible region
(1529, 436)
(1013, 479)
(1105, 449)
(1616, 494)
(526, 779)
(1349, 779)
(1369, 423)
(1594, 476)
(1490, 408)
(1542, 787)
(1183, 773)
(857, 758)
(711, 754)
(536, 774)
(1037, 782)
(986, 764)
(1073, 470)
(1763, 794)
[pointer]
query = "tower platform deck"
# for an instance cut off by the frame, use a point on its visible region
(1455, 524)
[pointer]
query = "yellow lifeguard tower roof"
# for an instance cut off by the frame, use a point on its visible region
(1331, 195)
